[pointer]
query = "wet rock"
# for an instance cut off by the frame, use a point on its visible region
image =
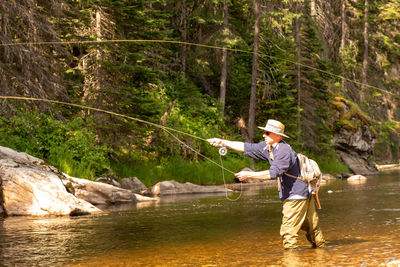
(133, 184)
(98, 193)
(173, 187)
(356, 178)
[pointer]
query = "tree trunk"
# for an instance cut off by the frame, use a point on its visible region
(184, 35)
(365, 56)
(252, 108)
(313, 10)
(344, 34)
(152, 136)
(224, 61)
(298, 70)
(99, 77)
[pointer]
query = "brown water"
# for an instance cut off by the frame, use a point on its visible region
(361, 223)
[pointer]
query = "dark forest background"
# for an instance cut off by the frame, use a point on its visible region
(301, 62)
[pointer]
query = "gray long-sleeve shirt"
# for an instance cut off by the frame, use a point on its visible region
(285, 161)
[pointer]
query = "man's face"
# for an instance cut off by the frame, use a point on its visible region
(271, 138)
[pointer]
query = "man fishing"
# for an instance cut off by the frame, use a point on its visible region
(298, 210)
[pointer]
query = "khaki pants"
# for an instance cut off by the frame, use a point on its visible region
(300, 215)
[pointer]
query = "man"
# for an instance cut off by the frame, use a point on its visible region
(298, 211)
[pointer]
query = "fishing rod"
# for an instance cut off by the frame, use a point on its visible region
(222, 151)
(199, 45)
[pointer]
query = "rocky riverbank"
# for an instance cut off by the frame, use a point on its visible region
(30, 187)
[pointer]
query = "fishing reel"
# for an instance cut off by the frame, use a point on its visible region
(223, 151)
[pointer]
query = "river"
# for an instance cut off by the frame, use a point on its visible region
(361, 223)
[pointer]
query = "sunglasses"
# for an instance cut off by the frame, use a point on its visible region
(267, 133)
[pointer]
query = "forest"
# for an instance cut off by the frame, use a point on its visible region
(328, 69)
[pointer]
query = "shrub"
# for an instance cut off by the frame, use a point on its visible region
(70, 146)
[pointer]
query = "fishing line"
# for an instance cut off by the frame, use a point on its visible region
(165, 128)
(99, 110)
(199, 45)
(223, 178)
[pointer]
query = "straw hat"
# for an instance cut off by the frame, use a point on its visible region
(274, 126)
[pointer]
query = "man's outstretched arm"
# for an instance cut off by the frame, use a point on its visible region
(261, 175)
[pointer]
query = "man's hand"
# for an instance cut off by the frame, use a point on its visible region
(235, 145)
(216, 142)
(243, 175)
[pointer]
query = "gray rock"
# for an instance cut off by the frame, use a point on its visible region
(98, 193)
(356, 164)
(133, 184)
(356, 178)
(173, 187)
(354, 148)
(19, 157)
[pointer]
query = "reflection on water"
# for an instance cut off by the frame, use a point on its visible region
(360, 222)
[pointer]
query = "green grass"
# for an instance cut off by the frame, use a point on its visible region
(68, 165)
(331, 165)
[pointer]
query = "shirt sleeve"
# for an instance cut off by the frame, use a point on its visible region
(281, 163)
(256, 151)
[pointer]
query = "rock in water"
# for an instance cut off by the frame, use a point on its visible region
(173, 188)
(30, 190)
(98, 193)
(133, 184)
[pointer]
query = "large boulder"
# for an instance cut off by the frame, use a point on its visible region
(357, 164)
(173, 188)
(30, 190)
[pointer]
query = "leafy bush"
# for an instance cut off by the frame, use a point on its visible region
(70, 146)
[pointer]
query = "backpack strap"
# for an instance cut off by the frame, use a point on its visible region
(296, 177)
(315, 193)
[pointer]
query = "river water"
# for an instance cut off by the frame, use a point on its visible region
(361, 223)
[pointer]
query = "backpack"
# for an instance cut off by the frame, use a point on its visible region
(310, 174)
